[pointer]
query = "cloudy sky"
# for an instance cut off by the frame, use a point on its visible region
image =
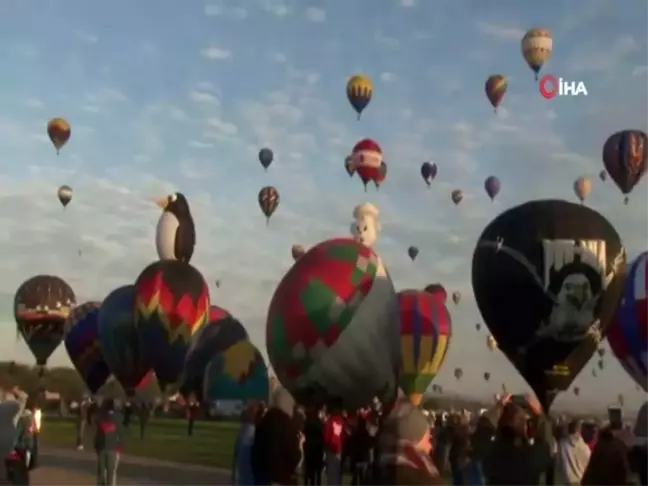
(166, 95)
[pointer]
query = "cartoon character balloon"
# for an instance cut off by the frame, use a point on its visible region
(367, 160)
(120, 346)
(268, 201)
(495, 88)
(628, 334)
(332, 329)
(59, 132)
(366, 227)
(83, 346)
(426, 330)
(64, 195)
(547, 276)
(625, 156)
(42, 304)
(171, 305)
(359, 91)
(537, 47)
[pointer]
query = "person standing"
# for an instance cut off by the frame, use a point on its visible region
(313, 448)
(108, 443)
(19, 460)
(81, 421)
(572, 457)
(242, 468)
(333, 443)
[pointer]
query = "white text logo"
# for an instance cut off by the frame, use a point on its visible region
(551, 86)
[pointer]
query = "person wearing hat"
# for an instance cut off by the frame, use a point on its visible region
(405, 444)
(277, 449)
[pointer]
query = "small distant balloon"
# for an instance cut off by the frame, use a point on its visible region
(65, 195)
(382, 175)
(492, 186)
(457, 196)
(268, 201)
(359, 92)
(297, 251)
(456, 297)
(582, 188)
(428, 172)
(59, 132)
(413, 252)
(495, 87)
(487, 376)
(625, 156)
(458, 373)
(478, 326)
(349, 166)
(603, 175)
(266, 156)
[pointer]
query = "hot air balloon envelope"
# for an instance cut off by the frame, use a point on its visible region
(549, 290)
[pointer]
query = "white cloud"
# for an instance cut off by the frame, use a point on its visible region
(204, 97)
(603, 58)
(501, 32)
(220, 129)
(407, 3)
(387, 77)
(385, 40)
(216, 53)
(197, 144)
(278, 8)
(215, 10)
(315, 14)
(86, 36)
(640, 71)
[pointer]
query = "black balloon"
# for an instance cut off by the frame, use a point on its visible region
(548, 276)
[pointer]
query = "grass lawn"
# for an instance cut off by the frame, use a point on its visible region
(212, 443)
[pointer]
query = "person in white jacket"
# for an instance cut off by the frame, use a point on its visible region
(572, 456)
(12, 406)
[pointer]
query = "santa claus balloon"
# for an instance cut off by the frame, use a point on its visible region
(368, 161)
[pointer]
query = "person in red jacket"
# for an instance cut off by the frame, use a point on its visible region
(333, 443)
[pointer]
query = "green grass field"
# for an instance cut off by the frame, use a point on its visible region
(212, 443)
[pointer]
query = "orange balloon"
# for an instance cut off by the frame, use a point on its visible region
(59, 132)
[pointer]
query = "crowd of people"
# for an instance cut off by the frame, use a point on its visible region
(513, 442)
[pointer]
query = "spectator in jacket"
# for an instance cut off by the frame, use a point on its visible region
(11, 409)
(465, 464)
(242, 469)
(277, 448)
(405, 446)
(108, 443)
(512, 457)
(19, 460)
(572, 457)
(333, 444)
(313, 448)
(609, 463)
(360, 444)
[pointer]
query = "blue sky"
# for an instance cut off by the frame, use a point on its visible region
(171, 95)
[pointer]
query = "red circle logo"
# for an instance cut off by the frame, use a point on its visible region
(549, 86)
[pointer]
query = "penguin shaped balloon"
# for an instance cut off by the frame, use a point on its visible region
(175, 236)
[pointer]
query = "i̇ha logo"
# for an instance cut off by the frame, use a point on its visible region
(551, 86)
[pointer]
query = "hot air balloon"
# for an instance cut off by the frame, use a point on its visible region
(620, 399)
(458, 373)
(628, 334)
(594, 373)
(338, 306)
(171, 305)
(65, 195)
(41, 306)
(438, 290)
(77, 313)
(496, 89)
(268, 201)
(624, 156)
(456, 196)
(297, 251)
(382, 175)
(428, 172)
(59, 132)
(537, 46)
(238, 372)
(367, 160)
(601, 352)
(426, 329)
(478, 326)
(120, 346)
(603, 175)
(601, 364)
(487, 376)
(83, 346)
(412, 252)
(492, 186)
(491, 343)
(220, 333)
(349, 166)
(548, 293)
(359, 91)
(456, 297)
(266, 156)
(582, 188)
(576, 391)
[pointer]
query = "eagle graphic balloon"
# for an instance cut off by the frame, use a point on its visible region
(171, 305)
(548, 276)
(332, 329)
